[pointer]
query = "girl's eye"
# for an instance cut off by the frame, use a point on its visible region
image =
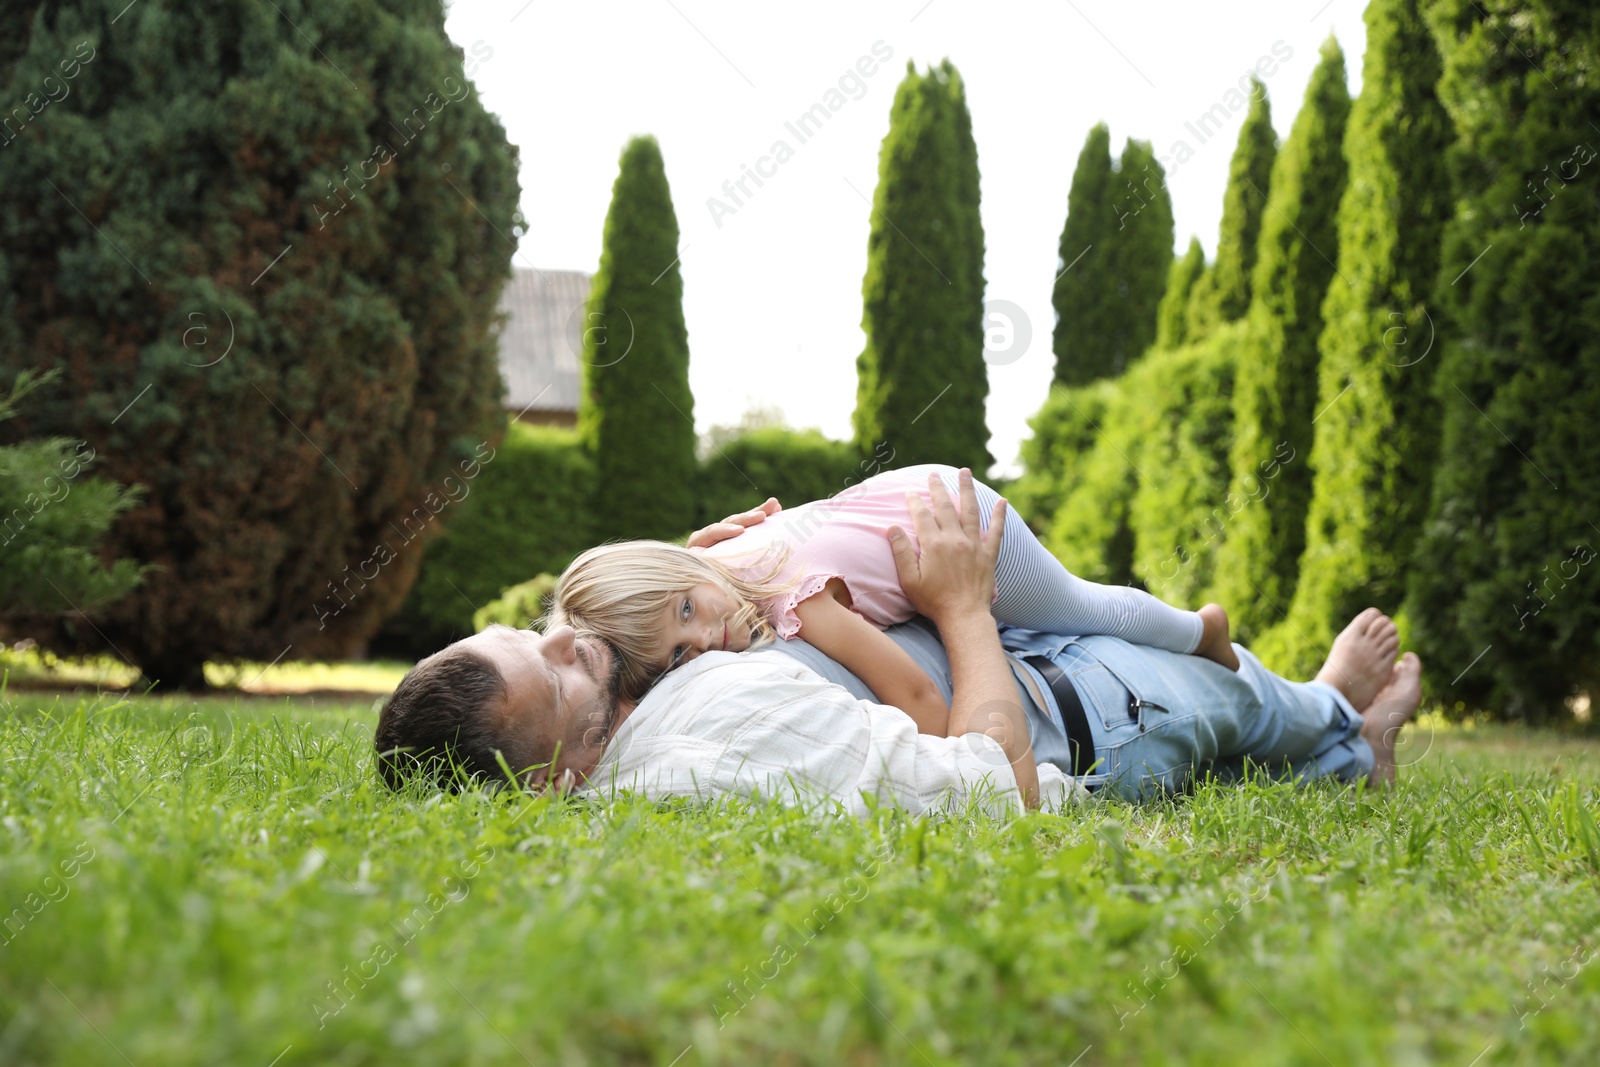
(684, 612)
(677, 654)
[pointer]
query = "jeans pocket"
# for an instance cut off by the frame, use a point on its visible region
(1102, 694)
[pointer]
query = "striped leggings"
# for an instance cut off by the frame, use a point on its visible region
(1034, 591)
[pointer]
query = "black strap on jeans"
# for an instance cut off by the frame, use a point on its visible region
(1072, 714)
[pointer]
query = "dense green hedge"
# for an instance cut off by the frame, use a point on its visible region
(528, 513)
(1182, 508)
(1052, 458)
(792, 465)
(1081, 438)
(1128, 477)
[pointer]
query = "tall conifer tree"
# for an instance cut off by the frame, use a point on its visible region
(922, 379)
(1141, 256)
(1085, 304)
(637, 414)
(1376, 419)
(1503, 600)
(1275, 387)
(1223, 293)
(1115, 254)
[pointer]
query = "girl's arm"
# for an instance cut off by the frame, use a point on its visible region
(733, 525)
(839, 633)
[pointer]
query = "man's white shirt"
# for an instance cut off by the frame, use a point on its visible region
(761, 723)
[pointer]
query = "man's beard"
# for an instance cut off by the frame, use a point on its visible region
(610, 685)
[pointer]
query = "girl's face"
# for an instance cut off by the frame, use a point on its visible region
(703, 619)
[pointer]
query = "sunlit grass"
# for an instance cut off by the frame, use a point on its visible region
(31, 667)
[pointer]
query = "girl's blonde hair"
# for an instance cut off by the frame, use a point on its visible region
(621, 591)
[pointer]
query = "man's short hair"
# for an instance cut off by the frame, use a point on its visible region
(442, 725)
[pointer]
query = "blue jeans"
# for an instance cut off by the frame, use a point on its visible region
(1188, 716)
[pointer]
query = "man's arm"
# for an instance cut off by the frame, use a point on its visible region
(952, 583)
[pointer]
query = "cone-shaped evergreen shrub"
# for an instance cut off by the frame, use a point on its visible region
(637, 414)
(1086, 311)
(1171, 421)
(1223, 293)
(922, 379)
(1142, 252)
(1275, 390)
(1376, 418)
(1115, 255)
(1172, 317)
(1503, 600)
(265, 243)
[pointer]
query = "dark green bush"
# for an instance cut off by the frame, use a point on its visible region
(527, 514)
(315, 185)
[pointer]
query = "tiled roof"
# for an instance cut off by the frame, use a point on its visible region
(541, 339)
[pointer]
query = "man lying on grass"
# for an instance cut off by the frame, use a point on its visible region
(1030, 713)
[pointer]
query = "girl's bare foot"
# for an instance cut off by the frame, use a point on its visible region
(1391, 709)
(1361, 661)
(1214, 641)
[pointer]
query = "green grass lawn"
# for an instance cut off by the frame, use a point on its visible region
(224, 882)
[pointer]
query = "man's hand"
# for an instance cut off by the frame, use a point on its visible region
(733, 525)
(954, 574)
(952, 583)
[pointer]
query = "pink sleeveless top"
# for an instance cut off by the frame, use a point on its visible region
(846, 537)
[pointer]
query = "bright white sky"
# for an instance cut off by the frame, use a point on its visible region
(773, 295)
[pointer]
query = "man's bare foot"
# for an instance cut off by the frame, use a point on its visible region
(1214, 641)
(1391, 709)
(1362, 659)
